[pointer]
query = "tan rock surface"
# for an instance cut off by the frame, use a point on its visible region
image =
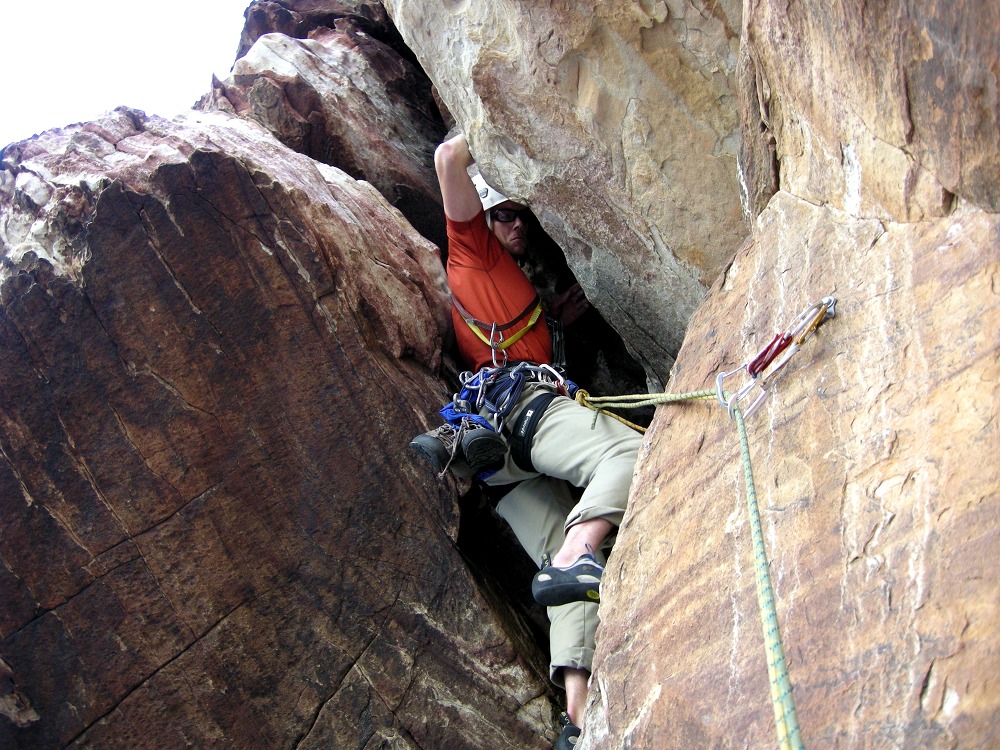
(298, 18)
(618, 124)
(875, 455)
(884, 109)
(211, 534)
(193, 315)
(875, 465)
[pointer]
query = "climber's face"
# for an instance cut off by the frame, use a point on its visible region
(508, 225)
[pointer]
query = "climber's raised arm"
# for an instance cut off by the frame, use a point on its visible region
(452, 160)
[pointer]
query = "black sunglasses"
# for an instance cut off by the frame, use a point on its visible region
(507, 215)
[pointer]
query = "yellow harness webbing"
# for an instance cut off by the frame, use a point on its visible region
(478, 326)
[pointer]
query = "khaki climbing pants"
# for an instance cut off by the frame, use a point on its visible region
(541, 507)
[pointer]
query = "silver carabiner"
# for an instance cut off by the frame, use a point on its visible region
(745, 390)
(720, 394)
(496, 339)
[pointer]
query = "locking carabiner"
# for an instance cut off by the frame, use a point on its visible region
(496, 341)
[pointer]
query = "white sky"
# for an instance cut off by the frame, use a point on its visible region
(68, 61)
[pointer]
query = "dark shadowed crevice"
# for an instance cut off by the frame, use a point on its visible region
(503, 572)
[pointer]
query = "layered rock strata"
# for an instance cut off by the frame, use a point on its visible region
(299, 18)
(328, 85)
(887, 110)
(874, 455)
(877, 484)
(215, 351)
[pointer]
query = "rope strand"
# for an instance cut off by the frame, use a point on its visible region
(785, 719)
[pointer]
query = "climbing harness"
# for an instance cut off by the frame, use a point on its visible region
(524, 430)
(496, 391)
(496, 340)
(488, 397)
(763, 369)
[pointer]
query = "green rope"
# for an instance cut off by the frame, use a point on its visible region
(786, 722)
(649, 399)
(600, 403)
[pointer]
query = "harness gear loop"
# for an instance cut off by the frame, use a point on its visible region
(495, 391)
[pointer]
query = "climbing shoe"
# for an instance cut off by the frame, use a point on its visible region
(580, 582)
(484, 449)
(569, 735)
(437, 447)
(480, 447)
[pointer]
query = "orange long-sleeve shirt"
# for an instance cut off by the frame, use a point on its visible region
(490, 285)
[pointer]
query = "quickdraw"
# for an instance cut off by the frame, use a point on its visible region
(763, 370)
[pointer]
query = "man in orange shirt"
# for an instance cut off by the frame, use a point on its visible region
(515, 426)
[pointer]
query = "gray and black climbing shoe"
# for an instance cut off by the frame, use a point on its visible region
(579, 582)
(484, 449)
(437, 447)
(569, 735)
(481, 448)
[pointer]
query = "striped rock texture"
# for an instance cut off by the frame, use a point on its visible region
(216, 345)
(874, 459)
(215, 352)
(617, 122)
(875, 455)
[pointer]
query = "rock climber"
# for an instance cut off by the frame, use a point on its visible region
(515, 427)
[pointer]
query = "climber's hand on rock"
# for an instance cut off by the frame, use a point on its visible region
(570, 305)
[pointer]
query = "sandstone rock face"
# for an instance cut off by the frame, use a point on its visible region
(885, 110)
(877, 479)
(215, 351)
(875, 454)
(617, 123)
(345, 98)
(298, 18)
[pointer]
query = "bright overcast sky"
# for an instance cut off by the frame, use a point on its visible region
(67, 61)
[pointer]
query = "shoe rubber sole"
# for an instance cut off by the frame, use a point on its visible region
(484, 451)
(558, 594)
(568, 738)
(553, 587)
(434, 454)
